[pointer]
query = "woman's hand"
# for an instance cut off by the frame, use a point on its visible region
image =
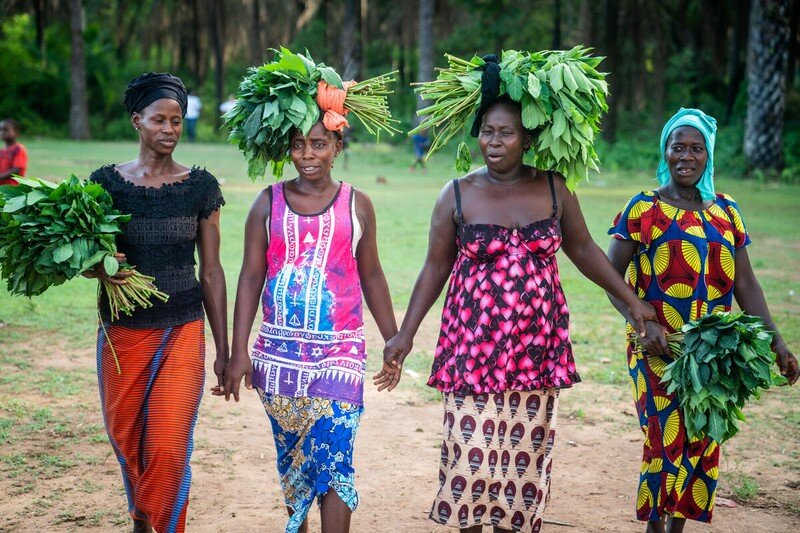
(99, 272)
(394, 353)
(239, 365)
(787, 362)
(654, 340)
(220, 365)
(641, 312)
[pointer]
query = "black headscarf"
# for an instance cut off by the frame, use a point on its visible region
(145, 89)
(490, 90)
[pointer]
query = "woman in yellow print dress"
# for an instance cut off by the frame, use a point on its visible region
(683, 248)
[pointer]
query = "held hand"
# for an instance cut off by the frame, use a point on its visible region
(388, 377)
(99, 272)
(238, 366)
(642, 312)
(655, 340)
(220, 365)
(787, 363)
(394, 353)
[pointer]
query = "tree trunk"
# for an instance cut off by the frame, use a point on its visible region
(660, 54)
(254, 39)
(794, 42)
(78, 108)
(637, 75)
(612, 52)
(218, 45)
(586, 23)
(197, 51)
(351, 40)
(767, 58)
(426, 46)
(41, 24)
(736, 55)
(557, 25)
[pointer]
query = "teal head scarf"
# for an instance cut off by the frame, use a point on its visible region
(706, 125)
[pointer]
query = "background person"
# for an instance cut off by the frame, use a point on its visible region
(193, 105)
(14, 156)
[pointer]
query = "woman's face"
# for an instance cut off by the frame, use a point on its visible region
(686, 156)
(502, 139)
(313, 154)
(160, 125)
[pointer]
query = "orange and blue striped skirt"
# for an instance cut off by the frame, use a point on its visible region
(150, 410)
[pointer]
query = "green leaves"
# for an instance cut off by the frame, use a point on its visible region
(561, 94)
(331, 77)
(723, 361)
(51, 233)
(279, 97)
(463, 158)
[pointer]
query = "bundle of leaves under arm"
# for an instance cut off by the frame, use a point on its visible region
(722, 361)
(562, 98)
(279, 96)
(52, 233)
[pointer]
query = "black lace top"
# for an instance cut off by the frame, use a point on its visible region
(160, 240)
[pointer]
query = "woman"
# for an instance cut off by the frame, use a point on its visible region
(503, 352)
(310, 253)
(683, 246)
(150, 407)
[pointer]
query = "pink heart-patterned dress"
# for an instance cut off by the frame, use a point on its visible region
(505, 323)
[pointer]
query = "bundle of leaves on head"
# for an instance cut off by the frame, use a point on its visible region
(561, 94)
(280, 96)
(52, 233)
(722, 361)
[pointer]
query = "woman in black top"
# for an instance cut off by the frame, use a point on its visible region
(150, 407)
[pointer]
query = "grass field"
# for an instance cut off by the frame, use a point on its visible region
(48, 405)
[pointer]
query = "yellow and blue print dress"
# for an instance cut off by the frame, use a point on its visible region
(684, 267)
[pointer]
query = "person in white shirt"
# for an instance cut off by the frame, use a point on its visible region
(227, 105)
(193, 106)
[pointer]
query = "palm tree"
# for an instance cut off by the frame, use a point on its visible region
(767, 59)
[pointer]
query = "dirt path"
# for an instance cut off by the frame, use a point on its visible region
(235, 485)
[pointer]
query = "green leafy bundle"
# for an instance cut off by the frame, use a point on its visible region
(279, 96)
(722, 361)
(52, 233)
(561, 94)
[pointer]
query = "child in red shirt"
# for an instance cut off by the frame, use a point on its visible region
(14, 157)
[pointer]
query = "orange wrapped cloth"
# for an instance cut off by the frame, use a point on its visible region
(331, 100)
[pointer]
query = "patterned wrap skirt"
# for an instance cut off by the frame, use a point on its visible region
(496, 459)
(314, 443)
(679, 475)
(150, 410)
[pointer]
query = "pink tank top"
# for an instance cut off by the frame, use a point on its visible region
(311, 341)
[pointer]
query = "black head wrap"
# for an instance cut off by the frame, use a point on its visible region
(145, 89)
(490, 90)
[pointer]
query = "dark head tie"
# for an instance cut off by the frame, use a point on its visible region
(145, 89)
(490, 90)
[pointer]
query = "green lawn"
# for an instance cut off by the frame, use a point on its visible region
(65, 315)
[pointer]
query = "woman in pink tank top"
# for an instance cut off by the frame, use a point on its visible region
(310, 254)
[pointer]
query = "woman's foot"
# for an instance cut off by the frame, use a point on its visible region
(141, 526)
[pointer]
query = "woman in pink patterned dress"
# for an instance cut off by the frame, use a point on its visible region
(310, 253)
(504, 349)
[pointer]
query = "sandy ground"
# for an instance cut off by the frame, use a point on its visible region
(235, 485)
